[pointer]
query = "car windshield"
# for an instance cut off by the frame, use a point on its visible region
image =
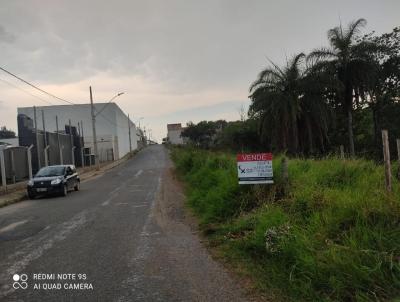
(51, 171)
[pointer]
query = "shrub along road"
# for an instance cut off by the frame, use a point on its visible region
(331, 234)
(125, 234)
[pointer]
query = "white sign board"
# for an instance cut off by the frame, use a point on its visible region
(255, 168)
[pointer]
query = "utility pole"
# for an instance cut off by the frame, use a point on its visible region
(44, 129)
(72, 143)
(82, 128)
(61, 153)
(96, 159)
(37, 136)
(58, 142)
(46, 154)
(82, 141)
(130, 140)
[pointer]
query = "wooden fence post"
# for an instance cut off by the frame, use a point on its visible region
(3, 169)
(13, 176)
(285, 173)
(398, 157)
(341, 151)
(386, 158)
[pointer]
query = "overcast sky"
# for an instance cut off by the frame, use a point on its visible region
(176, 61)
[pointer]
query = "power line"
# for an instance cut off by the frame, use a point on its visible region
(49, 94)
(27, 92)
(34, 86)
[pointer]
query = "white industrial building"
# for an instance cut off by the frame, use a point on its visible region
(112, 129)
(174, 134)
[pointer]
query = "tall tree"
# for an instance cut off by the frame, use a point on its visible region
(317, 91)
(6, 133)
(350, 58)
(384, 89)
(203, 133)
(275, 98)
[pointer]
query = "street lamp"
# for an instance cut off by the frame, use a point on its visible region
(113, 98)
(139, 119)
(129, 128)
(96, 156)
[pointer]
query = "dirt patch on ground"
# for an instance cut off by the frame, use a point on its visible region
(174, 217)
(172, 211)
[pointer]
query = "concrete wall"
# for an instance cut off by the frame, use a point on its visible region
(16, 163)
(27, 137)
(174, 137)
(77, 113)
(107, 146)
(110, 122)
(123, 133)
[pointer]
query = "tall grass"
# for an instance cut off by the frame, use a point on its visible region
(333, 235)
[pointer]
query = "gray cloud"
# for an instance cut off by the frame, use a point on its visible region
(5, 36)
(194, 44)
(186, 46)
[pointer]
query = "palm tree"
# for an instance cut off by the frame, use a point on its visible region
(317, 87)
(291, 104)
(275, 97)
(350, 59)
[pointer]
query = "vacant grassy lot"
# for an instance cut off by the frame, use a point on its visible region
(333, 234)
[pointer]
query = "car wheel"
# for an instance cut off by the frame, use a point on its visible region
(31, 195)
(65, 191)
(77, 186)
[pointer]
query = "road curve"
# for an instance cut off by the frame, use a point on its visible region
(123, 237)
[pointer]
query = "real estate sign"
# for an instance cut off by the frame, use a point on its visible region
(255, 168)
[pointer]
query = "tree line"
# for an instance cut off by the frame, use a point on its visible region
(6, 133)
(343, 94)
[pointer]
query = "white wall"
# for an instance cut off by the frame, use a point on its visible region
(105, 122)
(174, 137)
(110, 122)
(123, 132)
(104, 144)
(138, 135)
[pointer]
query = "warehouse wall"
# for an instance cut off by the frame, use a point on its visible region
(123, 133)
(27, 137)
(77, 113)
(110, 122)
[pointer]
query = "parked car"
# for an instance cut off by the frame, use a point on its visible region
(54, 180)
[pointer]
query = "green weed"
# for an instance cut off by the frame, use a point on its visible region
(333, 236)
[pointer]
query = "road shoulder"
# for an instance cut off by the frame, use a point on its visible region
(175, 219)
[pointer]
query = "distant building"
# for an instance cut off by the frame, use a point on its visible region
(111, 126)
(174, 134)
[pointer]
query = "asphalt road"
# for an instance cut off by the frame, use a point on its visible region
(124, 234)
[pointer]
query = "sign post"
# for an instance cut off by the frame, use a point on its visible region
(255, 168)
